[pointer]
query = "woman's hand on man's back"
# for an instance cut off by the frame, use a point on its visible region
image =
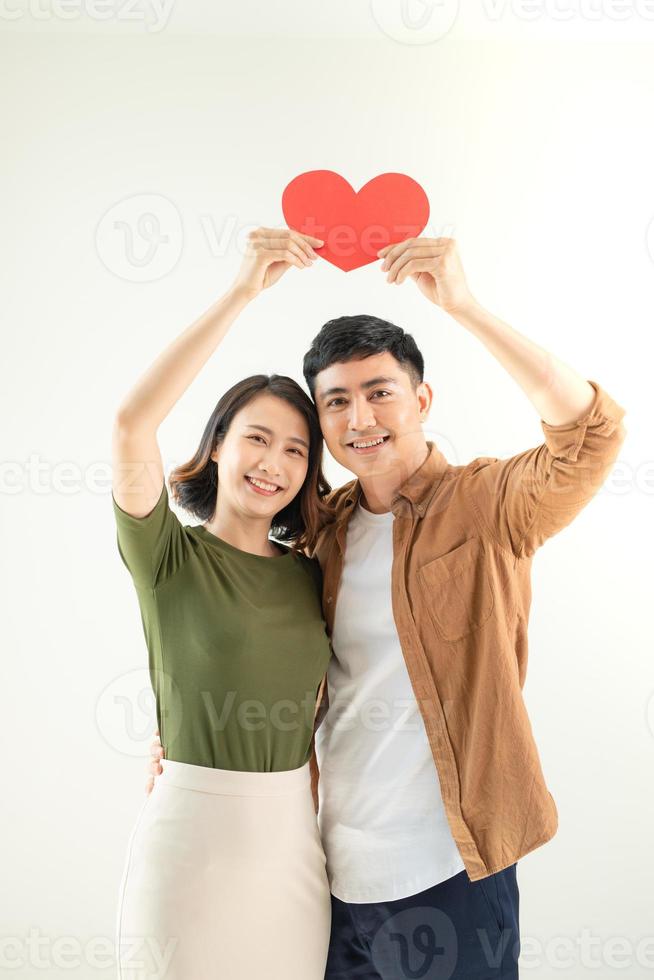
(154, 766)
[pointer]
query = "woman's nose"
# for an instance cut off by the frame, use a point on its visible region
(270, 466)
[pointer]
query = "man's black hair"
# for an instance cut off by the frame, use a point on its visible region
(349, 338)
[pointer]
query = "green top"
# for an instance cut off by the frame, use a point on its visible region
(237, 644)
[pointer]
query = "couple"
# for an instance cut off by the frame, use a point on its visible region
(407, 591)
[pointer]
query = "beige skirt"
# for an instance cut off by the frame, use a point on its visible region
(225, 879)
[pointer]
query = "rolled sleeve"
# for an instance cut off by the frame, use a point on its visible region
(526, 499)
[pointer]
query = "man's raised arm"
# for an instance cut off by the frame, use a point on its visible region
(526, 499)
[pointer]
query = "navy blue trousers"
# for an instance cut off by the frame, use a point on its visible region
(456, 930)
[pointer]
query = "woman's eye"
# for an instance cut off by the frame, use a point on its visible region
(293, 449)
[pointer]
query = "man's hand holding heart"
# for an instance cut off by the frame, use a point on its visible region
(435, 267)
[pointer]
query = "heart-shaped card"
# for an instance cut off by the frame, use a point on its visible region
(354, 225)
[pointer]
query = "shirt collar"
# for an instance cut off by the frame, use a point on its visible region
(418, 489)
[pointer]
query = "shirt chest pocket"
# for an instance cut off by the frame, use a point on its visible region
(457, 590)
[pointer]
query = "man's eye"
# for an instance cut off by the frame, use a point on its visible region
(335, 400)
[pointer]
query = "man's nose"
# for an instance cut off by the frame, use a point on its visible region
(361, 415)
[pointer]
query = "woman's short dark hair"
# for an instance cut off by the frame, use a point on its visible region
(194, 485)
(349, 338)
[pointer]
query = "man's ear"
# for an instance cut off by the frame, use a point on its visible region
(425, 397)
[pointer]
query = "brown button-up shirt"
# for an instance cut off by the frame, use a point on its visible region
(463, 541)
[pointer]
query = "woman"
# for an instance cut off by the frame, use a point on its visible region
(225, 873)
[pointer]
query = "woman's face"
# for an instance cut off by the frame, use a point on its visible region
(267, 442)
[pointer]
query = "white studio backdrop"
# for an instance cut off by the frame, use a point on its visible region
(134, 163)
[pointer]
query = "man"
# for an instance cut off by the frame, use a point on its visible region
(426, 776)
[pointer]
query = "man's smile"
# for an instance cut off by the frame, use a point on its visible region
(368, 446)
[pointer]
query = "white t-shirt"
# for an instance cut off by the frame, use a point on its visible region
(381, 815)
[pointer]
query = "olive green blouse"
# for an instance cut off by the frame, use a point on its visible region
(237, 644)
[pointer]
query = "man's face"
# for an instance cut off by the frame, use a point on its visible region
(373, 400)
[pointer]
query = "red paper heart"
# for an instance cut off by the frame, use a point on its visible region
(354, 226)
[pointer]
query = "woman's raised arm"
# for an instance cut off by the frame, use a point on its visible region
(137, 465)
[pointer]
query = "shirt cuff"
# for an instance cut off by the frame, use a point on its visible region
(603, 416)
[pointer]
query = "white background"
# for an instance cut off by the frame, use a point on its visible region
(532, 136)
